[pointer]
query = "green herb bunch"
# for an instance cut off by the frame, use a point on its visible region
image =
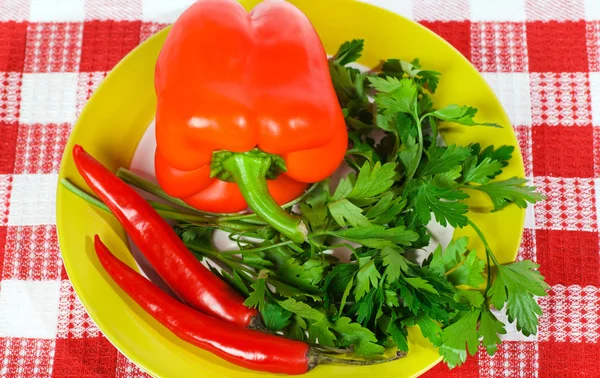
(401, 178)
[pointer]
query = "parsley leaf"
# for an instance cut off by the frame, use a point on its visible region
(367, 276)
(443, 203)
(469, 272)
(460, 114)
(345, 212)
(482, 172)
(395, 96)
(376, 236)
(394, 262)
(275, 317)
(256, 299)
(430, 329)
(363, 340)
(399, 334)
(319, 331)
(489, 328)
(516, 284)
(460, 337)
(301, 309)
(503, 193)
(443, 159)
(349, 52)
(373, 181)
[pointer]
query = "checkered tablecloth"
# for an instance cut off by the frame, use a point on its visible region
(542, 57)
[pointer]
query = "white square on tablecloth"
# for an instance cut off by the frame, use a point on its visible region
(29, 308)
(57, 10)
(164, 11)
(14, 10)
(530, 210)
(494, 10)
(595, 94)
(32, 200)
(48, 98)
(512, 88)
(403, 7)
(592, 9)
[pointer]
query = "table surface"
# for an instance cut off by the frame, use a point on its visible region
(542, 57)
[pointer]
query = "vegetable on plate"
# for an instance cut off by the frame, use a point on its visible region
(246, 112)
(157, 241)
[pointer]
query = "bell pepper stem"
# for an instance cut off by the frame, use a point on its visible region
(249, 172)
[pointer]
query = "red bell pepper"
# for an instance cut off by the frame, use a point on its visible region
(246, 113)
(163, 249)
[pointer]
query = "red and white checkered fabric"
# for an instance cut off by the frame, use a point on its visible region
(542, 57)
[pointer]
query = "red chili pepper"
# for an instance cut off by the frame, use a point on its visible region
(175, 264)
(243, 347)
(246, 112)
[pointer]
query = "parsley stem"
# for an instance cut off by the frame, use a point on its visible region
(420, 148)
(152, 188)
(168, 214)
(257, 249)
(488, 250)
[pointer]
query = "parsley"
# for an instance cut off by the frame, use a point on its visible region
(401, 178)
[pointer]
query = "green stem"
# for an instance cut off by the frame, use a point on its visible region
(168, 214)
(257, 249)
(147, 186)
(248, 217)
(324, 359)
(488, 250)
(249, 173)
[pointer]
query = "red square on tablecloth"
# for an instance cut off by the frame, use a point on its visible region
(557, 46)
(570, 204)
(499, 46)
(512, 359)
(12, 45)
(469, 369)
(85, 358)
(73, 321)
(569, 257)
(528, 248)
(107, 42)
(8, 146)
(22, 357)
(563, 151)
(53, 47)
(5, 189)
(571, 315)
(558, 360)
(561, 99)
(32, 253)
(10, 96)
(457, 33)
(40, 147)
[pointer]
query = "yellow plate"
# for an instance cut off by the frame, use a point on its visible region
(119, 112)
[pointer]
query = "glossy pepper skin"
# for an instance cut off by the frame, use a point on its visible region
(243, 347)
(163, 249)
(235, 81)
